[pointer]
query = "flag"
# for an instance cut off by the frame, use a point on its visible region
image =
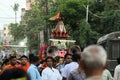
(55, 17)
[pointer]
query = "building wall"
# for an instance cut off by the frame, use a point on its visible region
(28, 4)
(1, 36)
(7, 37)
(23, 11)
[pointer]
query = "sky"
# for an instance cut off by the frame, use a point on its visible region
(7, 14)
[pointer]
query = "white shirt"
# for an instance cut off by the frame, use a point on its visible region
(68, 68)
(51, 74)
(117, 73)
(106, 75)
(2, 55)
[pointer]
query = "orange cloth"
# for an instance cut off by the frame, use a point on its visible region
(42, 67)
(25, 67)
(9, 67)
(0, 71)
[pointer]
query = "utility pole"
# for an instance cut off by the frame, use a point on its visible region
(46, 5)
(46, 27)
(87, 10)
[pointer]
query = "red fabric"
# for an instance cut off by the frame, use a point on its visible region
(55, 17)
(0, 71)
(41, 52)
(61, 53)
(9, 67)
(42, 67)
(25, 68)
(58, 15)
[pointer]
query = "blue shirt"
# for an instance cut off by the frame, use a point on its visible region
(33, 73)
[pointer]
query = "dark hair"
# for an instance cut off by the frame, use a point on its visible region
(13, 73)
(67, 55)
(76, 57)
(57, 58)
(24, 57)
(51, 49)
(118, 60)
(34, 59)
(75, 49)
(11, 57)
(49, 57)
(30, 56)
(5, 61)
(42, 61)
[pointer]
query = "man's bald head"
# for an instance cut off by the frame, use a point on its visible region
(94, 56)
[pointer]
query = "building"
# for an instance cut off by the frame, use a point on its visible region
(28, 4)
(23, 11)
(7, 37)
(1, 36)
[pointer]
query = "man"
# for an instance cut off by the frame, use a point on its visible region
(106, 75)
(117, 70)
(33, 72)
(93, 62)
(14, 74)
(2, 54)
(50, 73)
(77, 74)
(71, 66)
(67, 60)
(24, 63)
(13, 64)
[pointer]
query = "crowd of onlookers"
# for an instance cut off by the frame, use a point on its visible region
(89, 64)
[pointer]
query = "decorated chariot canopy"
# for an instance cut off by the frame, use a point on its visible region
(60, 31)
(60, 36)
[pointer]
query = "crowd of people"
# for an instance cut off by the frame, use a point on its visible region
(89, 64)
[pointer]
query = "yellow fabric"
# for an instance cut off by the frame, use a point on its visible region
(23, 78)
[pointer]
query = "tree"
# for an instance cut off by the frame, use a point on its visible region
(73, 14)
(35, 20)
(112, 22)
(15, 9)
(103, 18)
(86, 35)
(17, 31)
